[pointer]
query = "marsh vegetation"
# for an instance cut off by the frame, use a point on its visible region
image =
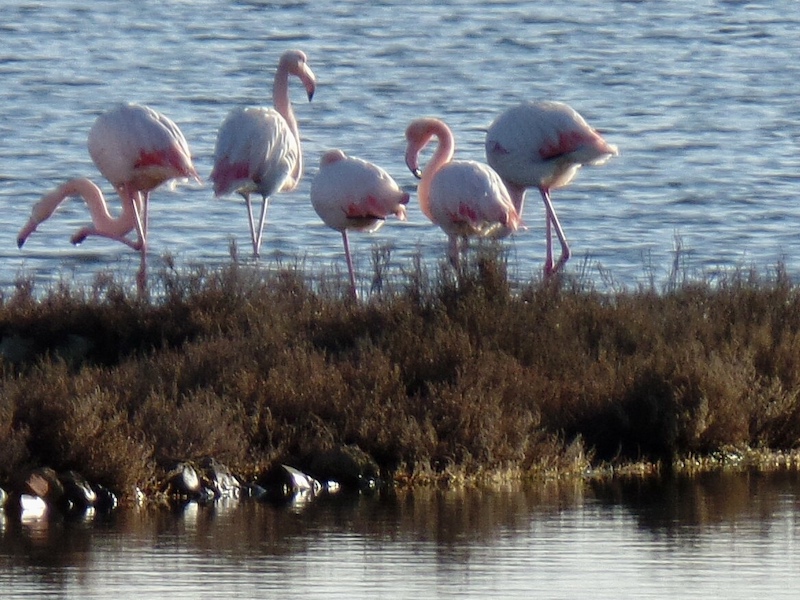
(434, 375)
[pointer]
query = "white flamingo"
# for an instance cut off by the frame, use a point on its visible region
(258, 149)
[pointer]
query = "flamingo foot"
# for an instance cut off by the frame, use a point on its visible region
(551, 269)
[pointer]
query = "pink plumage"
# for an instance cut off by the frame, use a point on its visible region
(542, 145)
(463, 197)
(352, 194)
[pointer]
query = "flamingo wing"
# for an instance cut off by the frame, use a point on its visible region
(256, 151)
(542, 144)
(135, 145)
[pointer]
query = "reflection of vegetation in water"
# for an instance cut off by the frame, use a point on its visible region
(443, 374)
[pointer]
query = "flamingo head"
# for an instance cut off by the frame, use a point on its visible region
(418, 134)
(296, 63)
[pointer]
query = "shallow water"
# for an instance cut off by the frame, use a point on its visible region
(712, 536)
(701, 98)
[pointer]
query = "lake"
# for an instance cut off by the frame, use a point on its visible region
(700, 97)
(732, 536)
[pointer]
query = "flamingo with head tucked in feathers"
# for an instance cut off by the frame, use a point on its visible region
(258, 149)
(136, 149)
(463, 197)
(542, 145)
(351, 194)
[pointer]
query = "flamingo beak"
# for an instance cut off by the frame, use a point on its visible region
(309, 80)
(411, 163)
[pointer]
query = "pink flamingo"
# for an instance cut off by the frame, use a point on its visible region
(136, 149)
(350, 193)
(258, 149)
(542, 145)
(464, 197)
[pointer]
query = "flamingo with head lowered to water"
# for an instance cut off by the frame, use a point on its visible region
(542, 145)
(137, 149)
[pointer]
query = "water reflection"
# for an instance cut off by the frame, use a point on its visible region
(681, 506)
(626, 538)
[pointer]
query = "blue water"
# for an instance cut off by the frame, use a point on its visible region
(700, 96)
(702, 99)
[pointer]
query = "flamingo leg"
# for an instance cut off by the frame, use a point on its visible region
(261, 222)
(145, 213)
(348, 257)
(141, 203)
(548, 261)
(453, 251)
(140, 212)
(141, 275)
(552, 218)
(252, 223)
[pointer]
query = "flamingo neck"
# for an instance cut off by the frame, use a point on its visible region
(517, 194)
(102, 219)
(281, 102)
(445, 148)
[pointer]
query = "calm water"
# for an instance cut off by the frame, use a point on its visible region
(701, 97)
(733, 537)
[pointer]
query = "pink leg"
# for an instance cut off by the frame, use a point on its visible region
(349, 260)
(548, 261)
(141, 228)
(552, 218)
(141, 276)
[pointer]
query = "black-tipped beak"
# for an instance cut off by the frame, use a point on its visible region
(20, 242)
(411, 164)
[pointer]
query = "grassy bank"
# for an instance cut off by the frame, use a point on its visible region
(433, 375)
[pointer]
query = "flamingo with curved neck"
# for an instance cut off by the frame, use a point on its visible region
(258, 149)
(103, 223)
(136, 149)
(463, 197)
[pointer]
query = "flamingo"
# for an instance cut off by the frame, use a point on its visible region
(350, 193)
(542, 145)
(463, 197)
(136, 149)
(258, 149)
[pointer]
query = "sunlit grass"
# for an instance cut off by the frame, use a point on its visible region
(435, 375)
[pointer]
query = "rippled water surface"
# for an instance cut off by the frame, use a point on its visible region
(733, 537)
(701, 97)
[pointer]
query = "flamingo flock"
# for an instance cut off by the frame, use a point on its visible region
(258, 151)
